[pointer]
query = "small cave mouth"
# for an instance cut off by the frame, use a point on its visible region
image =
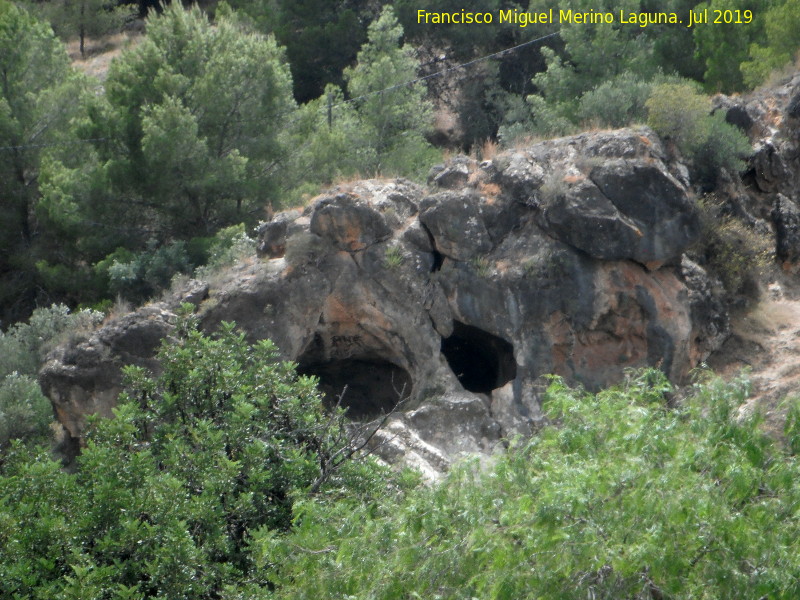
(438, 261)
(374, 385)
(482, 362)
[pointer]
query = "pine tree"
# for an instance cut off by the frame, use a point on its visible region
(393, 116)
(85, 18)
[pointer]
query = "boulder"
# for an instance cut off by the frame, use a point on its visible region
(454, 221)
(786, 216)
(452, 303)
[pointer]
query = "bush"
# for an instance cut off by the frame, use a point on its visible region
(24, 346)
(731, 249)
(677, 112)
(620, 497)
(725, 147)
(616, 103)
(24, 411)
(782, 24)
(228, 245)
(149, 271)
(169, 494)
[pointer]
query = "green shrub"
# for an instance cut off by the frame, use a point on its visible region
(620, 497)
(725, 147)
(24, 411)
(532, 118)
(792, 426)
(731, 249)
(393, 257)
(482, 266)
(169, 495)
(616, 103)
(227, 246)
(24, 346)
(149, 272)
(782, 25)
(677, 112)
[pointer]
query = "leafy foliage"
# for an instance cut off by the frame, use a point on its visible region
(147, 272)
(24, 411)
(730, 248)
(179, 156)
(620, 497)
(83, 18)
(391, 125)
(168, 494)
(724, 49)
(677, 112)
(782, 26)
(35, 78)
(321, 37)
(616, 103)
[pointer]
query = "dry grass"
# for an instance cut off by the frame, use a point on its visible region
(100, 52)
(485, 151)
(782, 75)
(346, 182)
(120, 308)
(521, 143)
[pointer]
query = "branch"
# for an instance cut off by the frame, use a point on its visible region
(332, 463)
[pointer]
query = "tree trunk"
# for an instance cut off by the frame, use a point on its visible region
(82, 27)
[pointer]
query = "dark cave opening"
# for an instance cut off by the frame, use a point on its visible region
(438, 260)
(482, 362)
(374, 386)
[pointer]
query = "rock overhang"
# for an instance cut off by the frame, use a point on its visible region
(560, 258)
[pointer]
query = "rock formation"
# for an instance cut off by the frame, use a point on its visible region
(564, 257)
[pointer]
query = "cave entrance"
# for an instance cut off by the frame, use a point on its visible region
(374, 385)
(482, 362)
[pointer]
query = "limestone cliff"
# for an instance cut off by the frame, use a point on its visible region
(563, 257)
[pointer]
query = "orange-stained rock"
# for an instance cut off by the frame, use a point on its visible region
(453, 301)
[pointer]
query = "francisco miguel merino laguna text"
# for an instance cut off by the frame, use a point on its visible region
(523, 19)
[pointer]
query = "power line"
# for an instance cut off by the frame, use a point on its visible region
(326, 107)
(449, 69)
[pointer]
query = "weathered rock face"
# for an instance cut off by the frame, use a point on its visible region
(772, 118)
(766, 197)
(561, 258)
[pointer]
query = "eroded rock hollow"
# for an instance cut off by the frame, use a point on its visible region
(564, 257)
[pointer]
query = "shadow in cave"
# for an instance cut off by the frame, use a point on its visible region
(374, 386)
(482, 362)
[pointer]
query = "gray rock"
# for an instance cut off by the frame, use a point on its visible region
(711, 324)
(347, 223)
(455, 222)
(271, 236)
(793, 108)
(455, 302)
(786, 216)
(452, 176)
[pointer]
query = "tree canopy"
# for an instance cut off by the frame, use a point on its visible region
(168, 495)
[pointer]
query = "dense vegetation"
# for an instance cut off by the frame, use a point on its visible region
(623, 495)
(113, 188)
(168, 496)
(25, 414)
(225, 477)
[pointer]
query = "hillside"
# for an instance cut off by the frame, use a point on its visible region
(319, 299)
